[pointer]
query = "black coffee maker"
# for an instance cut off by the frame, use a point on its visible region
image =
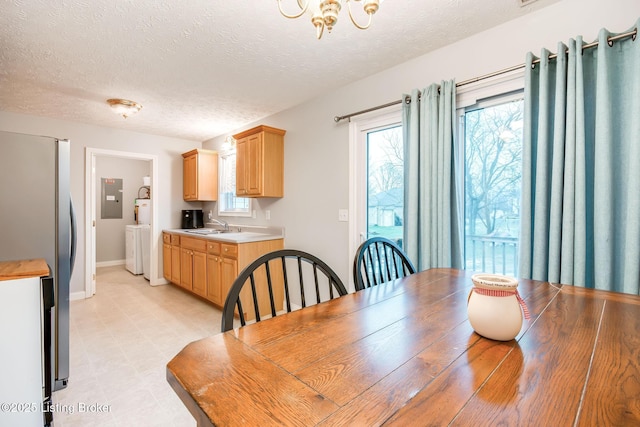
(192, 218)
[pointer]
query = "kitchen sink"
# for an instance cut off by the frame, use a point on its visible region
(206, 231)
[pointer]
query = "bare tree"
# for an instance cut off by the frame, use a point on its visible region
(388, 171)
(493, 151)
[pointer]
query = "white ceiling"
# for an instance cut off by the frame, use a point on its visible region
(202, 68)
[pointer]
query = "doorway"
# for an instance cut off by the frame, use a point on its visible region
(91, 195)
(376, 196)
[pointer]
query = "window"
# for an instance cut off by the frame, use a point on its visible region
(228, 203)
(491, 132)
(385, 183)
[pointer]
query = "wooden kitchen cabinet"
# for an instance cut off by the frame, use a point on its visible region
(207, 267)
(200, 175)
(166, 256)
(214, 271)
(193, 263)
(260, 162)
(171, 257)
(229, 267)
(200, 273)
(186, 268)
(222, 270)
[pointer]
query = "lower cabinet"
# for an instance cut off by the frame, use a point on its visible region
(214, 274)
(186, 268)
(229, 268)
(207, 267)
(175, 259)
(166, 260)
(171, 257)
(193, 265)
(200, 273)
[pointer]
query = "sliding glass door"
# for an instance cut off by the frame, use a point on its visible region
(378, 177)
(492, 139)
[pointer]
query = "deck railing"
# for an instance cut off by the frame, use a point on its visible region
(491, 254)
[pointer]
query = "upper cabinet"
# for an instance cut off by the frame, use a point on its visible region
(260, 162)
(200, 175)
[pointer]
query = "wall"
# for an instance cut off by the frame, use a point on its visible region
(110, 232)
(168, 189)
(317, 149)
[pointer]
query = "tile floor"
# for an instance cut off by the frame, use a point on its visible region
(121, 340)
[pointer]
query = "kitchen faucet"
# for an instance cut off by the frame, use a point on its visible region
(219, 222)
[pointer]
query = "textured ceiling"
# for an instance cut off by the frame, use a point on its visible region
(202, 68)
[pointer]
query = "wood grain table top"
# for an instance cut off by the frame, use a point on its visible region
(404, 354)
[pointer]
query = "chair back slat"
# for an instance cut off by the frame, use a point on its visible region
(287, 296)
(254, 295)
(241, 313)
(317, 285)
(379, 260)
(270, 288)
(269, 282)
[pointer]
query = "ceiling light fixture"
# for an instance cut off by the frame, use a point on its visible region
(324, 13)
(124, 107)
(229, 143)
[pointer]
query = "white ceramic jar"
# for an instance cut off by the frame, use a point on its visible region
(494, 307)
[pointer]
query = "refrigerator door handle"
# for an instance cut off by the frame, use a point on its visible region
(72, 213)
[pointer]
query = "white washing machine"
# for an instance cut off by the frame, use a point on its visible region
(133, 248)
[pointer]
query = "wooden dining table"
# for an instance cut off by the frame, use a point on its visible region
(404, 354)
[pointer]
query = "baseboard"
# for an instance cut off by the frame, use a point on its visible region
(159, 282)
(111, 263)
(74, 296)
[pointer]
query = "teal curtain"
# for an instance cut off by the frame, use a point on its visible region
(432, 195)
(580, 220)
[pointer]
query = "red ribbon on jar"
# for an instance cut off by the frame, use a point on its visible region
(497, 293)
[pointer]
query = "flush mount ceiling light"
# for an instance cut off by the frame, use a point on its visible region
(324, 13)
(124, 107)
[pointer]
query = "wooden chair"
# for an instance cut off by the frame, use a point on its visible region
(288, 277)
(379, 260)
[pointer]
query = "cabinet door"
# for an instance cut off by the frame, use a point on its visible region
(241, 167)
(214, 284)
(199, 273)
(166, 261)
(175, 264)
(186, 269)
(228, 275)
(254, 165)
(190, 177)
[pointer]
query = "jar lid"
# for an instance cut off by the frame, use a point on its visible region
(494, 281)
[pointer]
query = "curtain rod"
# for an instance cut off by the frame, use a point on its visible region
(610, 41)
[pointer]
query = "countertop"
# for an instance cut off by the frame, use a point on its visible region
(11, 270)
(247, 234)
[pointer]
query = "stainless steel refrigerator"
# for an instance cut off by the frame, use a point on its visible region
(37, 221)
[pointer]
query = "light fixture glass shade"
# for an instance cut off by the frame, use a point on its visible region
(124, 107)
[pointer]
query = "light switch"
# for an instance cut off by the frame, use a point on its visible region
(343, 215)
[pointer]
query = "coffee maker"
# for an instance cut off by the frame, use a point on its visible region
(192, 218)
